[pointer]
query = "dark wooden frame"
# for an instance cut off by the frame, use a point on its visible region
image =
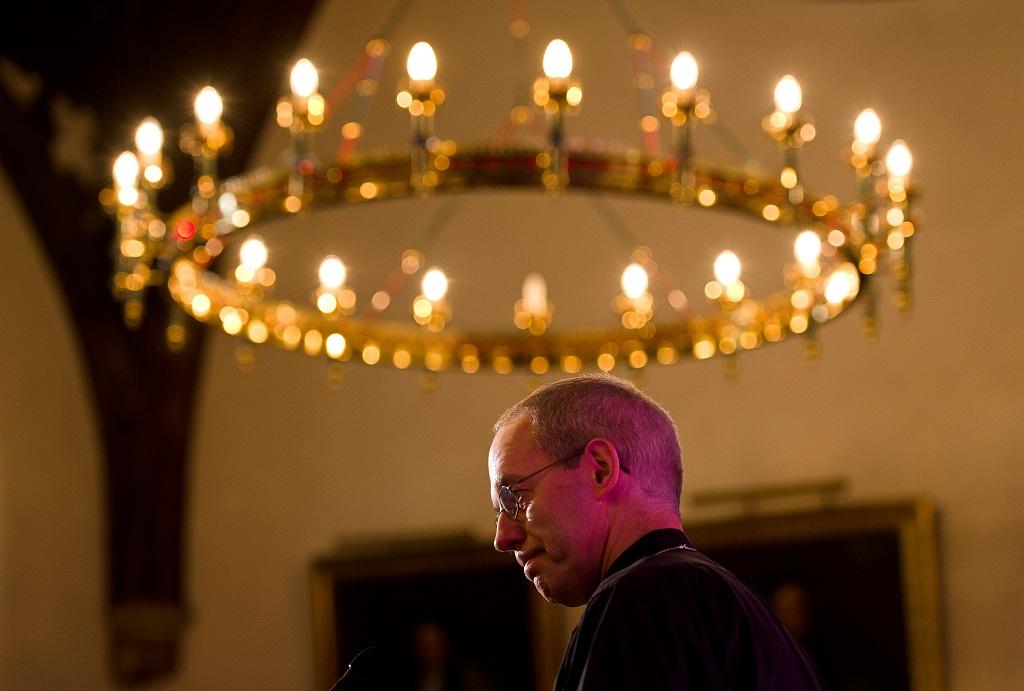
(911, 521)
(411, 558)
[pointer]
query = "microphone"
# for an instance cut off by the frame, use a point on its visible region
(364, 671)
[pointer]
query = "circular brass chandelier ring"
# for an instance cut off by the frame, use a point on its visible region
(743, 323)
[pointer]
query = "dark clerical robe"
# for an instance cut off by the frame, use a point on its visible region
(665, 617)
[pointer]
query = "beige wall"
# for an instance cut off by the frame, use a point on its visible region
(51, 532)
(282, 466)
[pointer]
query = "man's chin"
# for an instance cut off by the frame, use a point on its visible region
(545, 591)
(555, 595)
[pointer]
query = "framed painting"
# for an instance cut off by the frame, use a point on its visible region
(436, 612)
(857, 586)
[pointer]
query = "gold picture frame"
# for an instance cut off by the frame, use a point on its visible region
(861, 556)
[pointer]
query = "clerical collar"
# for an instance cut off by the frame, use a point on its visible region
(650, 544)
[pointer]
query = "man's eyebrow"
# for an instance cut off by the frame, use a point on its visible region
(507, 480)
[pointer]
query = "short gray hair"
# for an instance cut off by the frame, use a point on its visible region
(567, 414)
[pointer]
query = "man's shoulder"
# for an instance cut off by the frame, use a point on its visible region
(683, 602)
(677, 566)
(682, 580)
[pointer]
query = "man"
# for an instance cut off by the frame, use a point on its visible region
(585, 479)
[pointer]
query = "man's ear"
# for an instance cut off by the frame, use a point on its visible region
(603, 466)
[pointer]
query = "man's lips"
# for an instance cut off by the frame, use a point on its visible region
(524, 559)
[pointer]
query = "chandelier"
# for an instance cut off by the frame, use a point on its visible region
(219, 272)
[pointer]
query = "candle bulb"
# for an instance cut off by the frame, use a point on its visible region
(332, 273)
(557, 60)
(683, 72)
(634, 281)
(867, 129)
(535, 294)
(807, 249)
(149, 137)
(434, 285)
(253, 253)
(899, 161)
(126, 170)
(421, 66)
(126, 178)
(727, 268)
(208, 109)
(788, 95)
(304, 81)
(149, 140)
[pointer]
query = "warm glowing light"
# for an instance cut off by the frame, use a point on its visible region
(422, 63)
(841, 285)
(402, 358)
(868, 127)
(703, 349)
(707, 197)
(371, 353)
(312, 342)
(153, 173)
(684, 71)
(133, 248)
(332, 272)
(727, 268)
(736, 291)
(347, 299)
(634, 281)
(571, 364)
(240, 218)
(535, 294)
(422, 309)
(899, 161)
(381, 300)
(257, 331)
(200, 305)
(253, 253)
(127, 196)
(126, 170)
(304, 79)
(788, 95)
(149, 137)
(327, 303)
(434, 285)
(667, 355)
(335, 345)
(231, 320)
(470, 364)
(800, 299)
(291, 335)
(228, 204)
(557, 60)
(807, 247)
(208, 106)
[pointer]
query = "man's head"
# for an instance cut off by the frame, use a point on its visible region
(615, 468)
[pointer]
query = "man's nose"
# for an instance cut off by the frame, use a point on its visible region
(508, 534)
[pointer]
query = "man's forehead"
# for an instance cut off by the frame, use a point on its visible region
(513, 452)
